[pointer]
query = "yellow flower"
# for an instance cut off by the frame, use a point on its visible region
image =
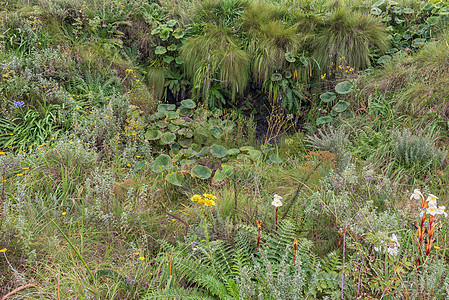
(323, 76)
(208, 202)
(64, 213)
(2, 153)
(209, 196)
(195, 198)
(201, 201)
(436, 247)
(142, 258)
(19, 174)
(136, 253)
(3, 250)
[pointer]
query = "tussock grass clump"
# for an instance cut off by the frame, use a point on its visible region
(418, 84)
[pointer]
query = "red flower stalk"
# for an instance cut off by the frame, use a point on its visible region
(259, 228)
(295, 248)
(276, 219)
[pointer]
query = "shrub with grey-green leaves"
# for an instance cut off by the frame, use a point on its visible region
(418, 150)
(333, 140)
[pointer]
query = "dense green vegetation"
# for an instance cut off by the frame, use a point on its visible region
(224, 149)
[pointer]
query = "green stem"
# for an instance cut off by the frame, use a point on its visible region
(76, 251)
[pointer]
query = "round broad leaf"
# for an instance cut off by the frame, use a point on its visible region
(323, 120)
(170, 115)
(160, 50)
(218, 151)
(172, 47)
(226, 171)
(187, 132)
(408, 11)
(164, 107)
(175, 178)
(254, 154)
(188, 103)
(328, 97)
(392, 50)
(184, 111)
(203, 151)
(427, 6)
(418, 43)
(276, 77)
(219, 175)
(179, 60)
(172, 127)
(178, 121)
(201, 172)
(344, 88)
(185, 143)
(167, 138)
(216, 132)
(288, 74)
(384, 59)
(333, 113)
(347, 114)
(341, 106)
(161, 163)
(153, 134)
(139, 165)
(172, 23)
(246, 148)
(162, 124)
(290, 57)
(168, 58)
(432, 21)
(178, 33)
(376, 11)
(233, 151)
(159, 114)
(392, 3)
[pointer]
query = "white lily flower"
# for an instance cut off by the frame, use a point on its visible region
(416, 195)
(277, 202)
(432, 210)
(432, 199)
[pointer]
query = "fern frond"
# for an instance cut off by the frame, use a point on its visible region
(177, 293)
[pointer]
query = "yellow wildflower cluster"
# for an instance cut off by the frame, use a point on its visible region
(208, 199)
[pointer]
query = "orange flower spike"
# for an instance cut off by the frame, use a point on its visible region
(259, 228)
(295, 248)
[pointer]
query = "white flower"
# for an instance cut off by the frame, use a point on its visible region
(442, 211)
(277, 197)
(377, 249)
(277, 201)
(432, 210)
(432, 200)
(394, 239)
(416, 195)
(393, 251)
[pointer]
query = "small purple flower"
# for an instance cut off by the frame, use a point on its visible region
(19, 104)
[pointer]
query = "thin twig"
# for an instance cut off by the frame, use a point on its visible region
(20, 288)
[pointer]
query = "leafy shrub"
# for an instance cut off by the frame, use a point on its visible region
(333, 140)
(418, 150)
